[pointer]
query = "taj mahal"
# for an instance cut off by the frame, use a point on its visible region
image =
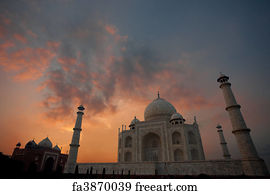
(163, 136)
(165, 144)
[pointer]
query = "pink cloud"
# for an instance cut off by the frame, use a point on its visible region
(27, 63)
(20, 38)
(111, 29)
(120, 38)
(6, 45)
(53, 44)
(66, 61)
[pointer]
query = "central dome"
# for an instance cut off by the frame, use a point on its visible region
(159, 109)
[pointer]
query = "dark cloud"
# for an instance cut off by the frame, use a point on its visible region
(92, 59)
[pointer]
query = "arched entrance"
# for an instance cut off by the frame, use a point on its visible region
(48, 166)
(176, 138)
(151, 148)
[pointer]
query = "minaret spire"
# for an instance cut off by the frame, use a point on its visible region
(223, 143)
(158, 94)
(74, 146)
(195, 119)
(252, 164)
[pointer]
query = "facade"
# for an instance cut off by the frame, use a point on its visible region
(41, 157)
(163, 144)
(162, 137)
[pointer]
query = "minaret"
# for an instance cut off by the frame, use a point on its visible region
(223, 143)
(252, 164)
(119, 146)
(74, 146)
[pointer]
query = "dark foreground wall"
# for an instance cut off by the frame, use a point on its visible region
(10, 169)
(192, 168)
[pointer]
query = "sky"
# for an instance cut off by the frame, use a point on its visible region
(113, 57)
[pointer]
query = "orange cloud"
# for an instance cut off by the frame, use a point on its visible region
(111, 29)
(6, 45)
(66, 61)
(53, 44)
(20, 38)
(27, 63)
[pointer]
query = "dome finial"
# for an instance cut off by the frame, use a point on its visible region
(159, 108)
(158, 94)
(81, 108)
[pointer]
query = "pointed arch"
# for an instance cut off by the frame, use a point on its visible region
(49, 164)
(176, 138)
(151, 147)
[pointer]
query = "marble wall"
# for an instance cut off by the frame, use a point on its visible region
(210, 167)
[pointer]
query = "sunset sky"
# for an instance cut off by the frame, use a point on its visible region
(113, 57)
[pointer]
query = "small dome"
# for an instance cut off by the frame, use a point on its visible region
(31, 144)
(45, 143)
(177, 116)
(81, 108)
(159, 109)
(57, 148)
(18, 144)
(134, 121)
(222, 78)
(218, 126)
